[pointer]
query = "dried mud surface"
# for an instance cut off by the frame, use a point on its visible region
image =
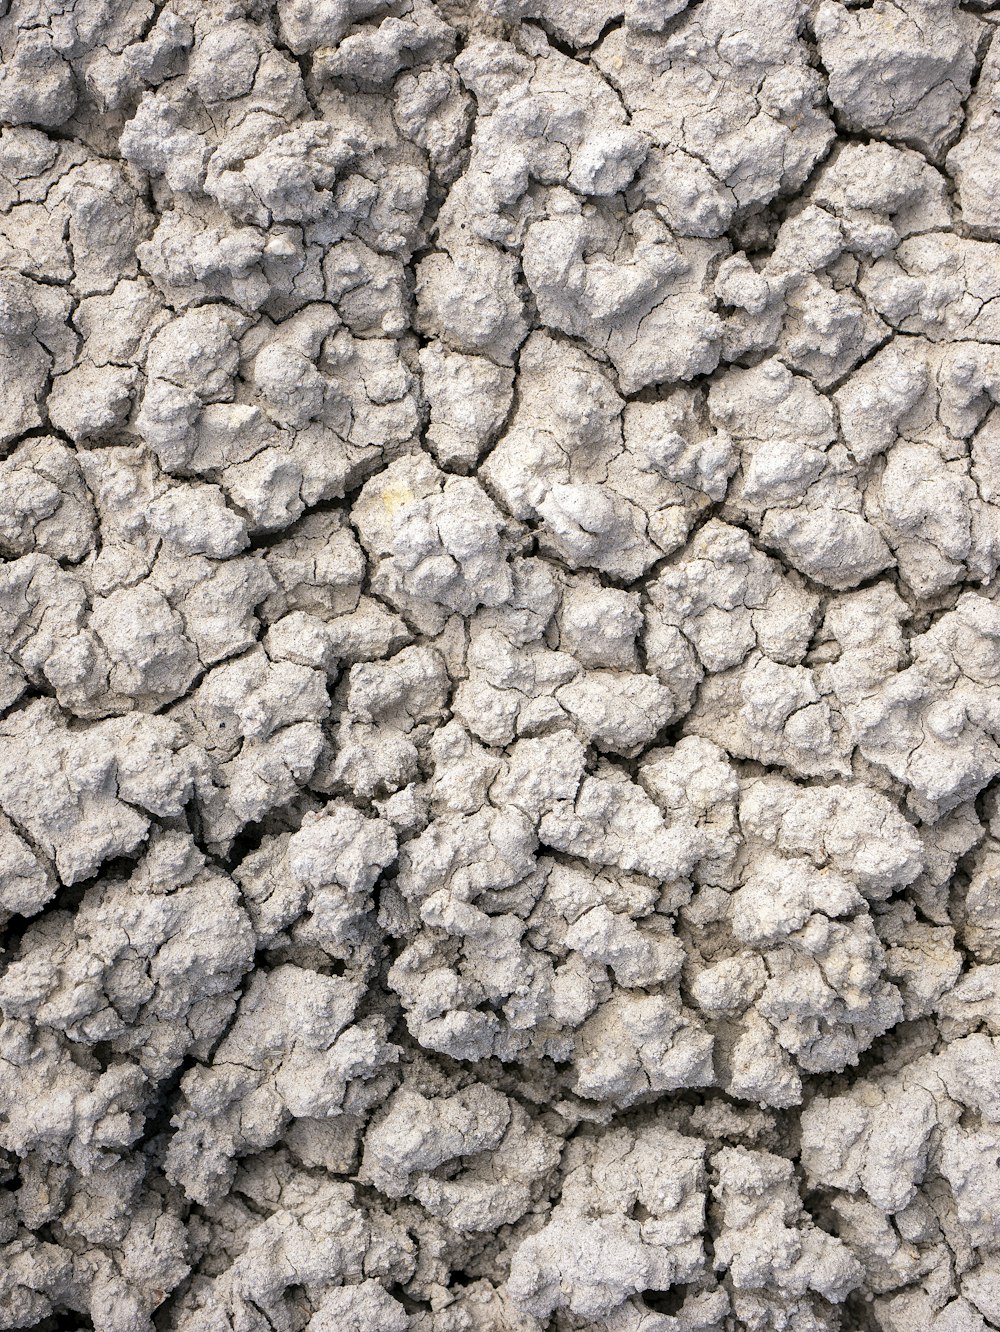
(499, 665)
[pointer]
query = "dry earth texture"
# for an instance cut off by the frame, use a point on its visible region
(500, 665)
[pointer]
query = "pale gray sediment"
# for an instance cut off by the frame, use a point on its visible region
(499, 665)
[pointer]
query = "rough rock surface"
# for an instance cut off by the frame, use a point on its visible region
(500, 665)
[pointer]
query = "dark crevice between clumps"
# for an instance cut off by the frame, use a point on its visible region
(67, 898)
(65, 1320)
(859, 1315)
(667, 1301)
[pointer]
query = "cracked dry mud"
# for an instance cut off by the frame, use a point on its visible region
(500, 665)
